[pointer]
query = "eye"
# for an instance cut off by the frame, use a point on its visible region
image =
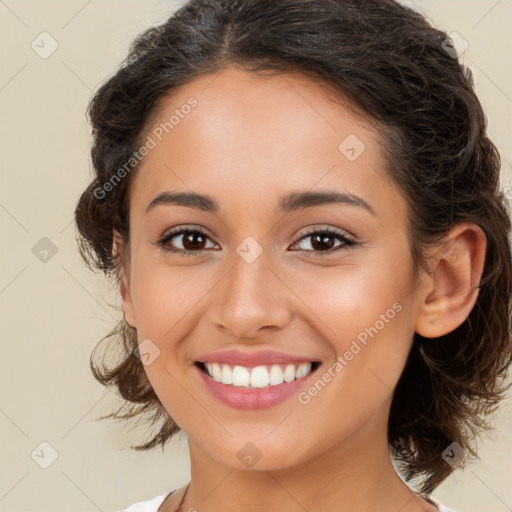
(193, 242)
(321, 241)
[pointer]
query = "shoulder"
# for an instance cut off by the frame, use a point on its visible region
(148, 505)
(441, 507)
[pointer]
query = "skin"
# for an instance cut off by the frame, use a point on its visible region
(249, 141)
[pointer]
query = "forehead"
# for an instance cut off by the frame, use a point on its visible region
(250, 136)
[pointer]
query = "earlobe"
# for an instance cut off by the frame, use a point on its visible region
(449, 292)
(122, 260)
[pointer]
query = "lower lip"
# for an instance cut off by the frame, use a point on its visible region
(256, 398)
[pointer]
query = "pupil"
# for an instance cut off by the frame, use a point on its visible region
(322, 239)
(188, 242)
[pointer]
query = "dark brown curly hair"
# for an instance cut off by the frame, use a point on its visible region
(391, 63)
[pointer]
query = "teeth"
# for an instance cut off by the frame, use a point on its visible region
(240, 375)
(225, 375)
(289, 373)
(257, 377)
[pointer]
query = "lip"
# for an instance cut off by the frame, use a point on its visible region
(256, 398)
(253, 358)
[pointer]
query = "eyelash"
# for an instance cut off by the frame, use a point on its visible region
(347, 242)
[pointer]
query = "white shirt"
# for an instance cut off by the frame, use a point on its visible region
(153, 504)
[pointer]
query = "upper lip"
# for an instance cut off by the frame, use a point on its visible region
(253, 358)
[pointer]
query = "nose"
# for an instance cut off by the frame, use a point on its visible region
(252, 300)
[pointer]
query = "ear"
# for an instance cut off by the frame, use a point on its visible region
(449, 292)
(120, 255)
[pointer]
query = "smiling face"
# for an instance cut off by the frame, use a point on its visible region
(252, 145)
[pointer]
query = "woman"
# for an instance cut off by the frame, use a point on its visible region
(301, 207)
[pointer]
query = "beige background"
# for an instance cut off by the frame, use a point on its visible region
(54, 312)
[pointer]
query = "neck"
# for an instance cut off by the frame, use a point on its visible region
(356, 475)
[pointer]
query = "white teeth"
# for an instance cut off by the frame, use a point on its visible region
(257, 377)
(216, 372)
(225, 375)
(302, 371)
(289, 373)
(240, 375)
(275, 376)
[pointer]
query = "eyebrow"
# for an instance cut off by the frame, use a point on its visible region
(291, 202)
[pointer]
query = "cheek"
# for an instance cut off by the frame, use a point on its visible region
(366, 313)
(351, 298)
(166, 303)
(163, 295)
(369, 319)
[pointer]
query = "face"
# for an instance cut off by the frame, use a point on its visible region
(324, 280)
